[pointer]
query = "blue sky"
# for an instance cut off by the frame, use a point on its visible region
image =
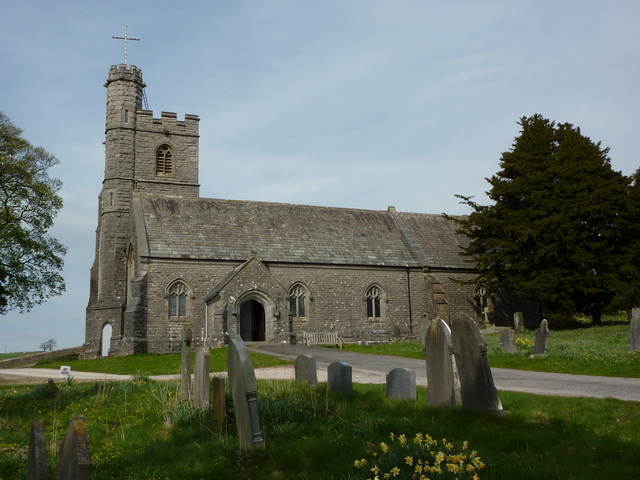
(351, 103)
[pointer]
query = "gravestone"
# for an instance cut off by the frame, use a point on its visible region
(186, 361)
(478, 391)
(518, 322)
(37, 468)
(339, 377)
(441, 371)
(424, 329)
(219, 399)
(508, 341)
(540, 347)
(242, 380)
(305, 368)
(201, 380)
(635, 329)
(75, 455)
(401, 383)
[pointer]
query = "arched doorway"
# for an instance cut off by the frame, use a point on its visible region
(252, 322)
(106, 340)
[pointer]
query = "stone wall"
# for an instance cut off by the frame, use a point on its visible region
(38, 357)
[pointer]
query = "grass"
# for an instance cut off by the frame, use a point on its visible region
(151, 364)
(603, 350)
(143, 430)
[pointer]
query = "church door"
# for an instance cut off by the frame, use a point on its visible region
(106, 340)
(252, 322)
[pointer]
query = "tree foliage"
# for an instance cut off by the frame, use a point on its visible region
(30, 259)
(563, 225)
(49, 345)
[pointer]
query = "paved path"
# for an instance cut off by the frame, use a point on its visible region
(373, 369)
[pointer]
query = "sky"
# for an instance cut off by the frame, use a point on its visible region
(347, 103)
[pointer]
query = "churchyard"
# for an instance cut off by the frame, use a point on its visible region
(149, 430)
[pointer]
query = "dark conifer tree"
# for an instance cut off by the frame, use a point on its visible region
(563, 225)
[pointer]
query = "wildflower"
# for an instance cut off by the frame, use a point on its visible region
(403, 439)
(384, 447)
(465, 445)
(392, 436)
(375, 470)
(409, 460)
(395, 471)
(470, 468)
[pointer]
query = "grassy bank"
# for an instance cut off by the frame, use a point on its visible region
(603, 350)
(143, 430)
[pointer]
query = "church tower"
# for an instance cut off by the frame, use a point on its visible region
(143, 156)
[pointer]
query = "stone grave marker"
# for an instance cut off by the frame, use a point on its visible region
(441, 371)
(37, 467)
(201, 380)
(542, 335)
(242, 380)
(635, 329)
(186, 361)
(401, 383)
(75, 455)
(306, 370)
(508, 341)
(424, 329)
(478, 391)
(340, 377)
(518, 321)
(219, 399)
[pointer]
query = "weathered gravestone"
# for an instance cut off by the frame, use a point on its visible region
(37, 468)
(201, 380)
(306, 370)
(401, 383)
(478, 391)
(424, 329)
(186, 361)
(518, 322)
(242, 380)
(75, 455)
(441, 369)
(339, 377)
(542, 335)
(508, 341)
(635, 329)
(219, 399)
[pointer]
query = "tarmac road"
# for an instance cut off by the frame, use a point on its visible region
(374, 368)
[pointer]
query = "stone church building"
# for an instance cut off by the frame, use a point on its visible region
(268, 272)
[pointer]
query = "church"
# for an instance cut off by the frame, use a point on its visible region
(268, 272)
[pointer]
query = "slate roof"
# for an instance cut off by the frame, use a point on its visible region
(234, 230)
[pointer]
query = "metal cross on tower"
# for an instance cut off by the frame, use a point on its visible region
(126, 39)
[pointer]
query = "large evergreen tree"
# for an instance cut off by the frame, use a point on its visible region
(30, 259)
(563, 224)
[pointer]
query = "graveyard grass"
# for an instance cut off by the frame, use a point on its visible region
(142, 429)
(594, 350)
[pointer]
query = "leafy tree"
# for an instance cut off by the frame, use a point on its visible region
(30, 259)
(563, 225)
(49, 345)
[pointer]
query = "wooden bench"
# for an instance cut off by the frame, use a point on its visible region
(329, 338)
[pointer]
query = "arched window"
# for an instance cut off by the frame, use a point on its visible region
(164, 160)
(374, 302)
(483, 304)
(298, 301)
(177, 295)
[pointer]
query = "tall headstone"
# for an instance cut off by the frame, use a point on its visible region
(508, 341)
(441, 376)
(476, 381)
(424, 329)
(37, 468)
(518, 321)
(340, 377)
(242, 380)
(186, 361)
(201, 380)
(542, 335)
(75, 455)
(635, 329)
(401, 383)
(306, 370)
(219, 399)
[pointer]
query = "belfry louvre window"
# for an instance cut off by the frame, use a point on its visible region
(374, 302)
(164, 160)
(178, 300)
(297, 299)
